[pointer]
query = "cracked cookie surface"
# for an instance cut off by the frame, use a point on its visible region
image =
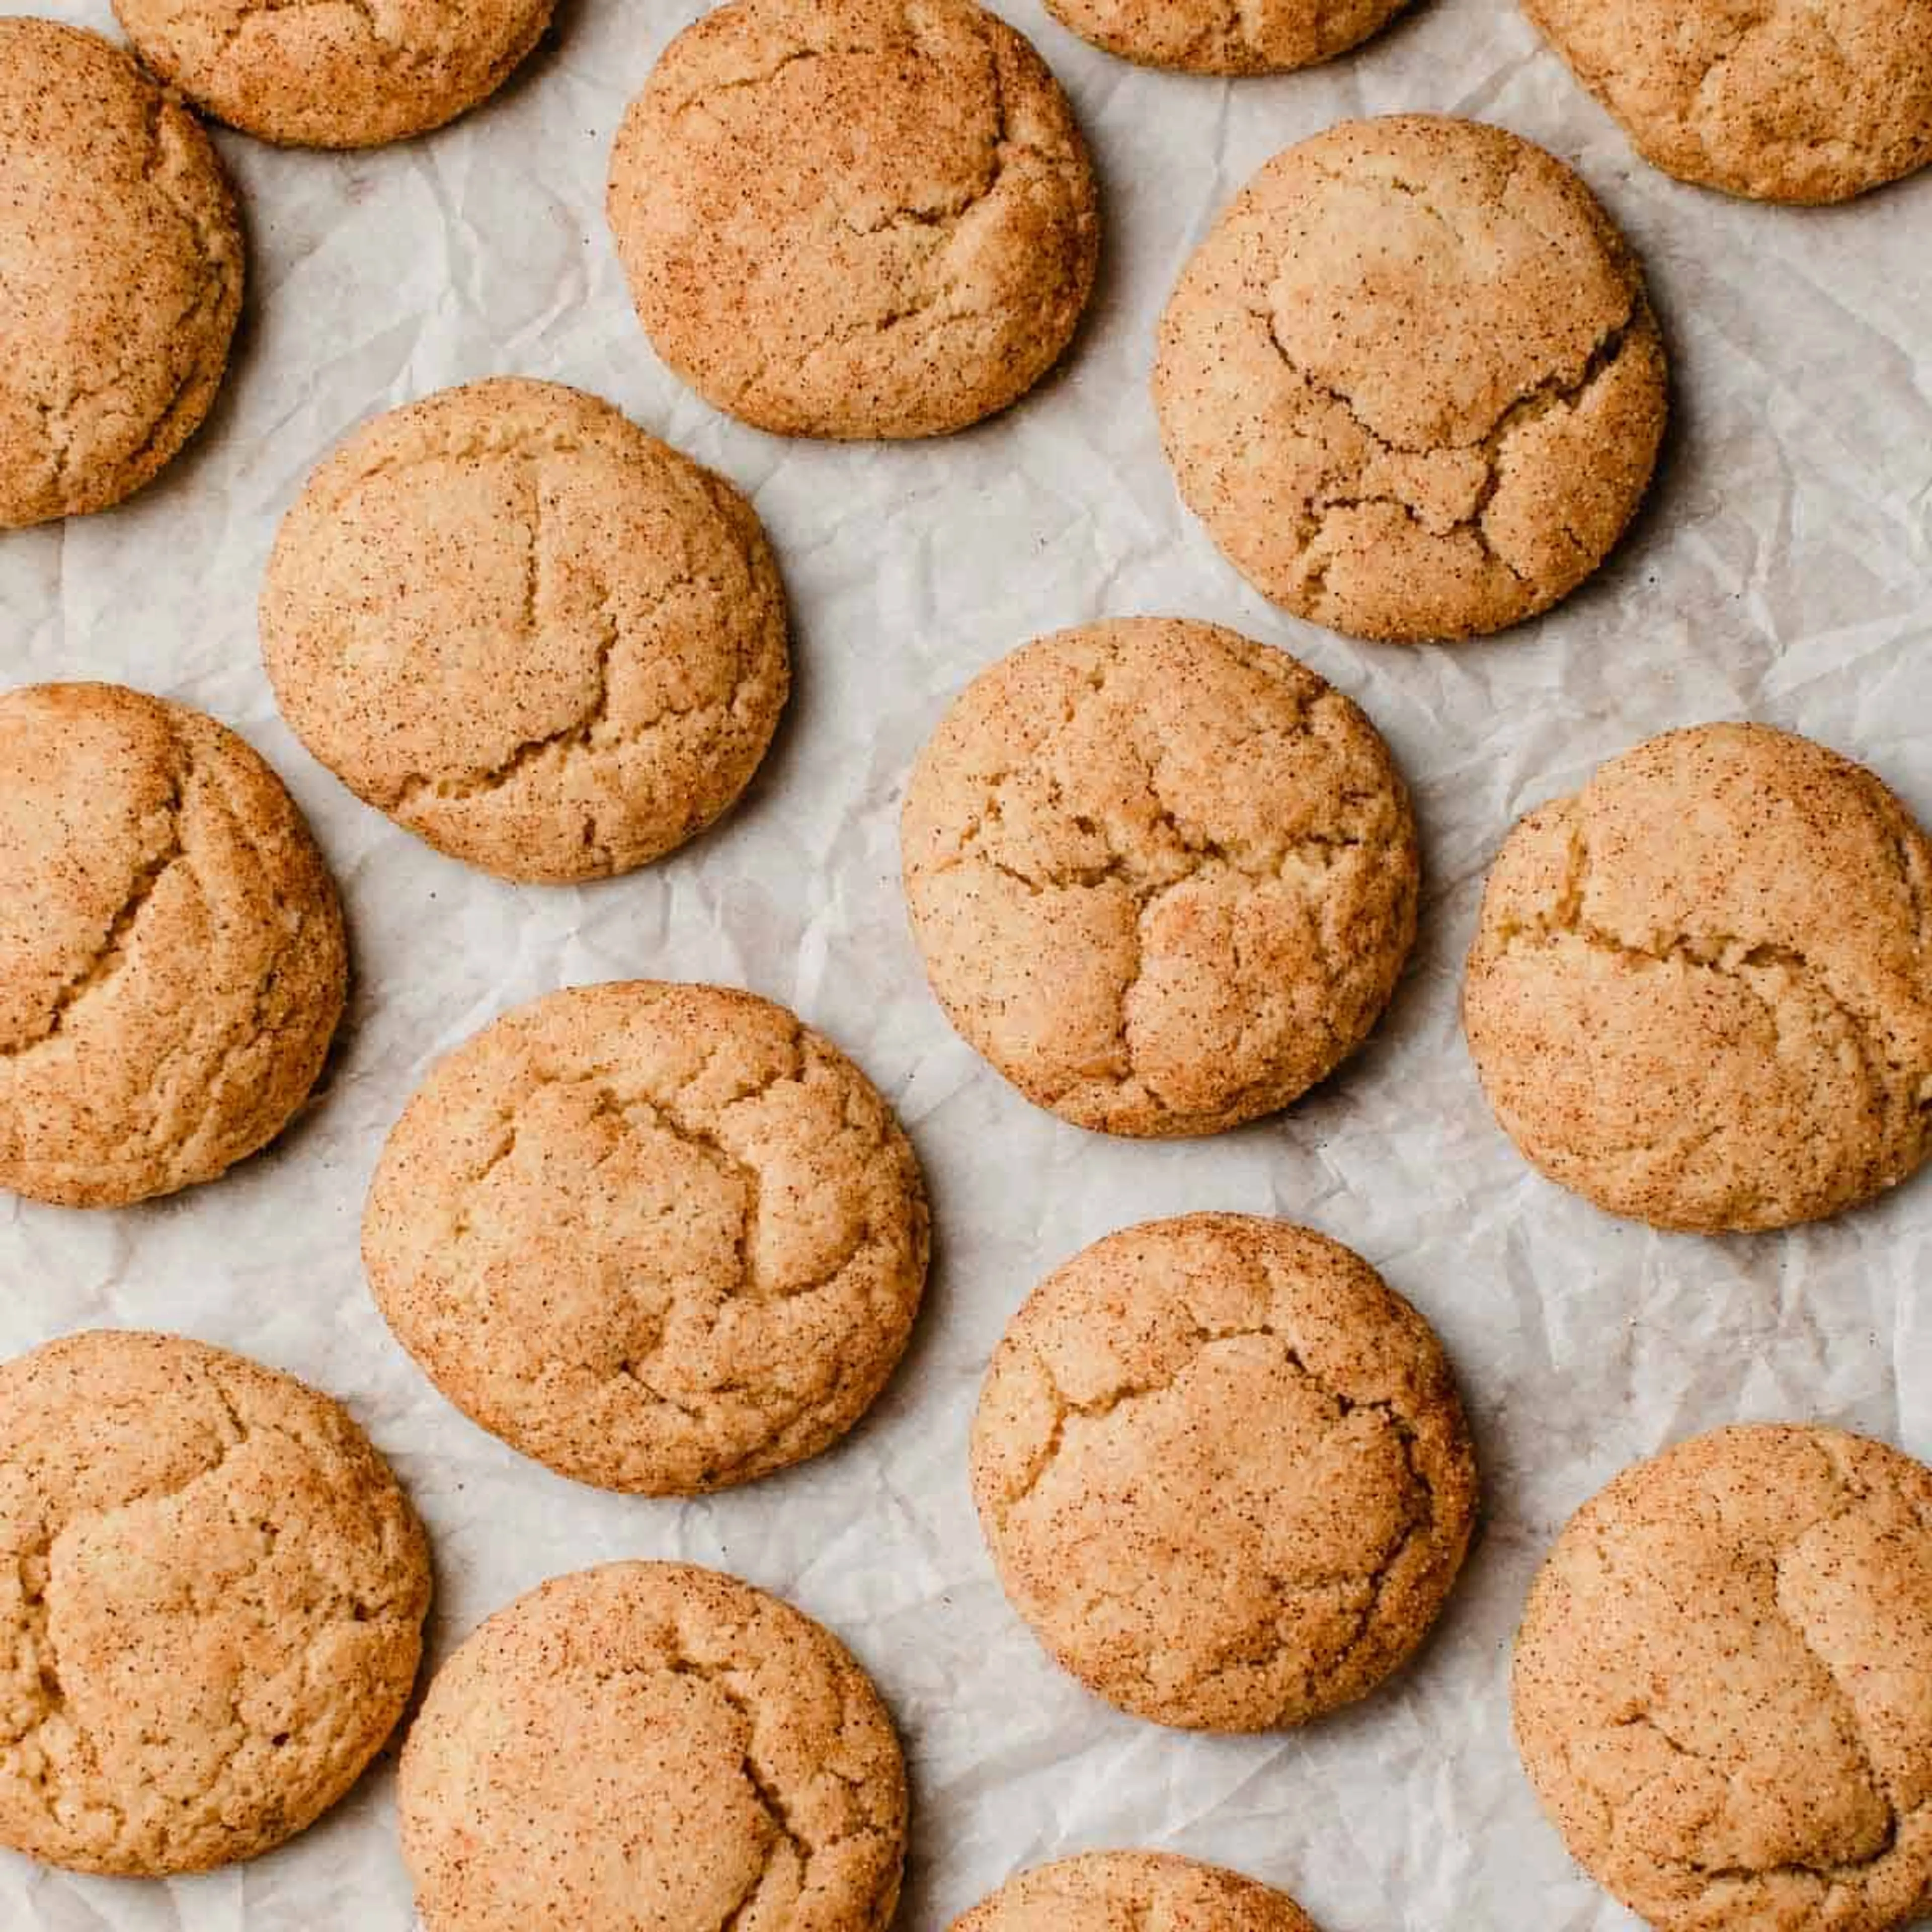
(855, 218)
(1164, 878)
(1410, 382)
(1720, 1682)
(172, 957)
(1104, 1892)
(1230, 36)
(544, 641)
(1223, 1471)
(121, 270)
(652, 1748)
(335, 74)
(1794, 101)
(664, 1238)
(1701, 992)
(211, 1604)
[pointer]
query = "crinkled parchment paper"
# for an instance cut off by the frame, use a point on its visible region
(1783, 572)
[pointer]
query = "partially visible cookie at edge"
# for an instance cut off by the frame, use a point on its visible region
(1700, 994)
(350, 76)
(1211, 36)
(744, 1766)
(1784, 101)
(855, 218)
(120, 273)
(211, 1597)
(173, 963)
(1719, 1690)
(533, 633)
(1224, 1472)
(664, 1238)
(1097, 1890)
(1411, 382)
(1163, 877)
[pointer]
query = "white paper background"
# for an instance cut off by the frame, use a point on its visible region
(1780, 572)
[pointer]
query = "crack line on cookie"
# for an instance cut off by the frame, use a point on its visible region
(1729, 956)
(1420, 1515)
(1548, 394)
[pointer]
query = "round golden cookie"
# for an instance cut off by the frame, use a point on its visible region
(652, 1745)
(172, 957)
(540, 639)
(1720, 1684)
(663, 1238)
(855, 218)
(1101, 1891)
(335, 74)
(211, 1598)
(1801, 100)
(1411, 382)
(1211, 36)
(1223, 1472)
(120, 269)
(1701, 992)
(1164, 878)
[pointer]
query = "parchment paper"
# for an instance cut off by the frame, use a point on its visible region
(1780, 573)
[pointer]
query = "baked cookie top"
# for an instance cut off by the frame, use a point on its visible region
(663, 1238)
(542, 640)
(1100, 1891)
(120, 272)
(1411, 382)
(172, 957)
(1701, 991)
(1803, 101)
(1164, 878)
(855, 218)
(211, 1598)
(1719, 1688)
(653, 1732)
(352, 75)
(1211, 36)
(1223, 1472)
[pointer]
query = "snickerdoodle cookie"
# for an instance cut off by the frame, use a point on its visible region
(539, 638)
(212, 1593)
(855, 217)
(1804, 100)
(1720, 1684)
(1164, 878)
(1099, 1892)
(661, 1237)
(1701, 993)
(1212, 36)
(1223, 1472)
(652, 1745)
(120, 273)
(335, 74)
(1411, 382)
(171, 959)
